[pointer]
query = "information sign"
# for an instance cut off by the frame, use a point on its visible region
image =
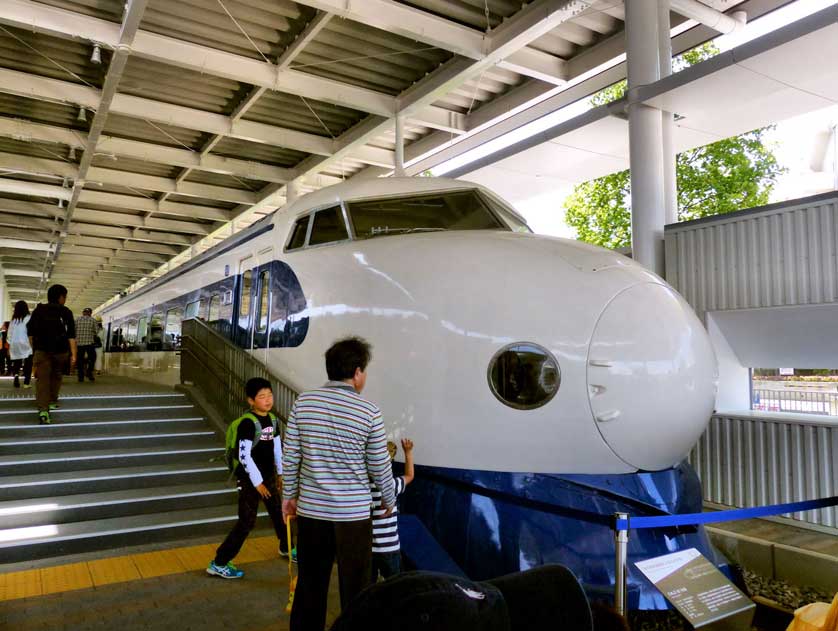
(696, 588)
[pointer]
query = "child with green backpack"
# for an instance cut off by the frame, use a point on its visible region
(254, 455)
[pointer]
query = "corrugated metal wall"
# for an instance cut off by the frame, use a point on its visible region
(746, 461)
(778, 255)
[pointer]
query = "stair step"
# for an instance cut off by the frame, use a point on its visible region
(19, 487)
(104, 399)
(98, 413)
(106, 505)
(60, 539)
(81, 427)
(70, 461)
(96, 443)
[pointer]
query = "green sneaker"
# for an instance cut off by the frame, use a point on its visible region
(43, 418)
(54, 406)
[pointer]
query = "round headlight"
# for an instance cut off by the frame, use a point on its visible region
(524, 375)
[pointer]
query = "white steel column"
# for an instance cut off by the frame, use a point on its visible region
(670, 179)
(645, 137)
(292, 191)
(399, 172)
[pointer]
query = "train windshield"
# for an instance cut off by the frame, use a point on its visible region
(430, 212)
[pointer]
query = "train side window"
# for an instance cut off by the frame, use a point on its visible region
(131, 332)
(298, 234)
(193, 309)
(142, 330)
(174, 317)
(264, 301)
(214, 308)
(328, 227)
(244, 298)
(155, 332)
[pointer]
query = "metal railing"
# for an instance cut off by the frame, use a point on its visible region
(746, 461)
(220, 370)
(795, 401)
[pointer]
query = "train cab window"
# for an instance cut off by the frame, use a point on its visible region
(174, 318)
(298, 234)
(264, 301)
(142, 330)
(524, 376)
(455, 210)
(244, 298)
(214, 308)
(328, 227)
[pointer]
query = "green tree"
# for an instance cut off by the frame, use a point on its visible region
(728, 175)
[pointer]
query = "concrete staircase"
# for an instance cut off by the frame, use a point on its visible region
(111, 471)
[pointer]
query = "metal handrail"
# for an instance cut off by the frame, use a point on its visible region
(220, 370)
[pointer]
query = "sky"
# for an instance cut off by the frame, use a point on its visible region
(795, 139)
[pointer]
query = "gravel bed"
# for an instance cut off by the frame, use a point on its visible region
(789, 596)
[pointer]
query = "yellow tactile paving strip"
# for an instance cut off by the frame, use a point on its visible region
(65, 578)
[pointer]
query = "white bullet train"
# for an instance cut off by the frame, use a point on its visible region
(546, 383)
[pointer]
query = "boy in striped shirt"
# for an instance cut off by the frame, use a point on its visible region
(386, 551)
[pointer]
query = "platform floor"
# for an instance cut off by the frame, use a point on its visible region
(103, 386)
(165, 588)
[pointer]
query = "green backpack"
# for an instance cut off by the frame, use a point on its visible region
(230, 450)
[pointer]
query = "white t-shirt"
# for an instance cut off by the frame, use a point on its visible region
(18, 339)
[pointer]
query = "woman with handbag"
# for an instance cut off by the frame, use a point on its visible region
(20, 351)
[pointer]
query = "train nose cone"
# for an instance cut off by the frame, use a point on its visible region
(652, 376)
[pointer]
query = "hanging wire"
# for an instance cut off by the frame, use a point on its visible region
(252, 43)
(328, 131)
(485, 37)
(165, 133)
(49, 59)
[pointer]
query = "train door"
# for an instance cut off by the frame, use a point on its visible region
(262, 308)
(244, 328)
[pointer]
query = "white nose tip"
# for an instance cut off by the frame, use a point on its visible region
(651, 376)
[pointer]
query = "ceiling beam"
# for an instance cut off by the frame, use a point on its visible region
(33, 16)
(46, 166)
(425, 27)
(132, 17)
(58, 91)
(27, 131)
(145, 228)
(20, 244)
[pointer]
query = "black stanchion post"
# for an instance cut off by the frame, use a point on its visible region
(620, 559)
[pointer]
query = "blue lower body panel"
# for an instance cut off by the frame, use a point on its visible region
(492, 523)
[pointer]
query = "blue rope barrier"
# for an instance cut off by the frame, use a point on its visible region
(694, 519)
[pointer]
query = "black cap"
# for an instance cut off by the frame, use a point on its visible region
(547, 597)
(87, 310)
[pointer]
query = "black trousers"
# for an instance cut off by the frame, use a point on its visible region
(27, 368)
(319, 542)
(248, 506)
(86, 360)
